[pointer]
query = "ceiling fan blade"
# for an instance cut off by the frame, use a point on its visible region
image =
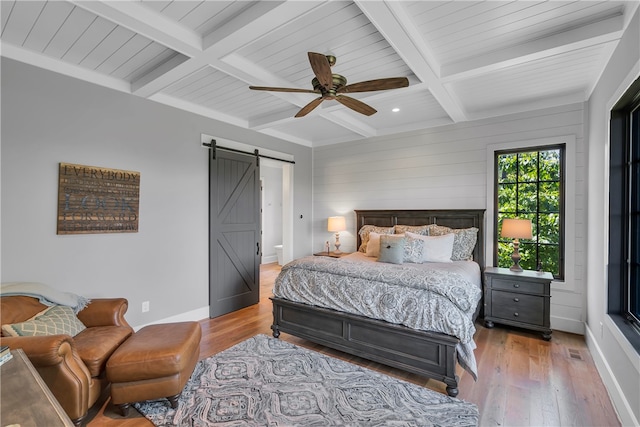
(282, 89)
(321, 68)
(310, 106)
(379, 84)
(356, 105)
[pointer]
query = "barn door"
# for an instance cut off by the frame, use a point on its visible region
(234, 232)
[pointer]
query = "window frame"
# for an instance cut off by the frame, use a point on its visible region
(562, 146)
(619, 221)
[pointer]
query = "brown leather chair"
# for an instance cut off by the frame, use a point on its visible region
(72, 367)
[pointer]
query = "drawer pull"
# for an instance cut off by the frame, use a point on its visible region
(516, 299)
(516, 285)
(515, 314)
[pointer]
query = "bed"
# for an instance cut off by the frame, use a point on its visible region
(430, 353)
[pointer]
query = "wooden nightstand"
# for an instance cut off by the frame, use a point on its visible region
(520, 299)
(332, 254)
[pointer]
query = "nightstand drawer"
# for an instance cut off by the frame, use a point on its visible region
(517, 285)
(518, 307)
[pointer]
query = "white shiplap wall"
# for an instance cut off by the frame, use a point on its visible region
(446, 168)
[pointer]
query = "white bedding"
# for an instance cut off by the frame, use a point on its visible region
(470, 270)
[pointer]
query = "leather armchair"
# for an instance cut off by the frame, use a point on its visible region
(72, 367)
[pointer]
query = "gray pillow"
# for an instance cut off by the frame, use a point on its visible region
(413, 249)
(391, 249)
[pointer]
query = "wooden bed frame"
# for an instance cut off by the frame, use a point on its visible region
(430, 354)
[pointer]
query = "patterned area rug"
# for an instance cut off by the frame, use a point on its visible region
(265, 381)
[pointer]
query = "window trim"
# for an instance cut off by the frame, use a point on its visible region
(562, 179)
(569, 284)
(618, 204)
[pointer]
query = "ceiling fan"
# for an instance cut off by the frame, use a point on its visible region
(334, 86)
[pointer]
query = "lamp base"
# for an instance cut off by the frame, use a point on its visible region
(337, 251)
(515, 256)
(516, 267)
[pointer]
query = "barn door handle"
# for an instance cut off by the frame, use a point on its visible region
(258, 246)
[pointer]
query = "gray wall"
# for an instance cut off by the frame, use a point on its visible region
(618, 363)
(48, 118)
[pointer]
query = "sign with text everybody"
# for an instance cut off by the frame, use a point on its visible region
(97, 200)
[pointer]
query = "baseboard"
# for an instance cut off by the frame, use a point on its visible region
(189, 316)
(620, 402)
(567, 325)
(268, 259)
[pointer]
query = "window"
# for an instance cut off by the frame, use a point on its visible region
(529, 184)
(624, 210)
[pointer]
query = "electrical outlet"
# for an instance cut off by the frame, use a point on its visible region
(601, 330)
(145, 306)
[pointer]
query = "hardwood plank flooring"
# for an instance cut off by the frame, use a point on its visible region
(523, 380)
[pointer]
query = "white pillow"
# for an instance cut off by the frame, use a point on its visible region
(436, 248)
(373, 245)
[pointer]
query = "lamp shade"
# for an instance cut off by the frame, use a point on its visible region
(336, 223)
(516, 228)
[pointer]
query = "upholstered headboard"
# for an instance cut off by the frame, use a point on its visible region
(460, 218)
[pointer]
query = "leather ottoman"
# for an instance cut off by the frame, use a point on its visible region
(155, 362)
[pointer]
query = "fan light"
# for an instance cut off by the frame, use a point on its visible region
(395, 110)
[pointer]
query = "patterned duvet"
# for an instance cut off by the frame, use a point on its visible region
(440, 297)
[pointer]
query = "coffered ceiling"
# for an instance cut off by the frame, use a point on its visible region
(465, 60)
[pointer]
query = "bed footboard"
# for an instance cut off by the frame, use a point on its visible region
(429, 354)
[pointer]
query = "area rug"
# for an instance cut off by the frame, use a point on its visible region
(265, 381)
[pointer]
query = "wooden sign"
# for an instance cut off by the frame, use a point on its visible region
(97, 200)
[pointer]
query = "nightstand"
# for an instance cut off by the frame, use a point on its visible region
(520, 299)
(332, 254)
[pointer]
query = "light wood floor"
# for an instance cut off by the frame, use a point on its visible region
(523, 380)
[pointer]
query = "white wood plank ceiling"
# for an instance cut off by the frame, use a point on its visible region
(465, 60)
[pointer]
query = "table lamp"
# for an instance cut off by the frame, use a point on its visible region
(336, 224)
(516, 228)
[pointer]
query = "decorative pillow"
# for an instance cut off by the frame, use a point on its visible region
(436, 248)
(59, 319)
(413, 249)
(391, 249)
(416, 229)
(373, 245)
(364, 234)
(463, 243)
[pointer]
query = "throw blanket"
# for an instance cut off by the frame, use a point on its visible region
(429, 300)
(45, 294)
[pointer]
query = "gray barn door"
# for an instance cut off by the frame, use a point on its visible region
(234, 241)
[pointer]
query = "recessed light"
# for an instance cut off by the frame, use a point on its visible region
(395, 110)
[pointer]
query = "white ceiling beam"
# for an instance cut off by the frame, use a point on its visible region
(147, 79)
(397, 27)
(269, 19)
(147, 22)
(287, 137)
(341, 117)
(600, 32)
(198, 109)
(48, 63)
(273, 119)
(162, 30)
(247, 18)
(538, 104)
(157, 80)
(246, 28)
(239, 67)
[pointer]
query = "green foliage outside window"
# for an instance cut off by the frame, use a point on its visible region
(529, 185)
